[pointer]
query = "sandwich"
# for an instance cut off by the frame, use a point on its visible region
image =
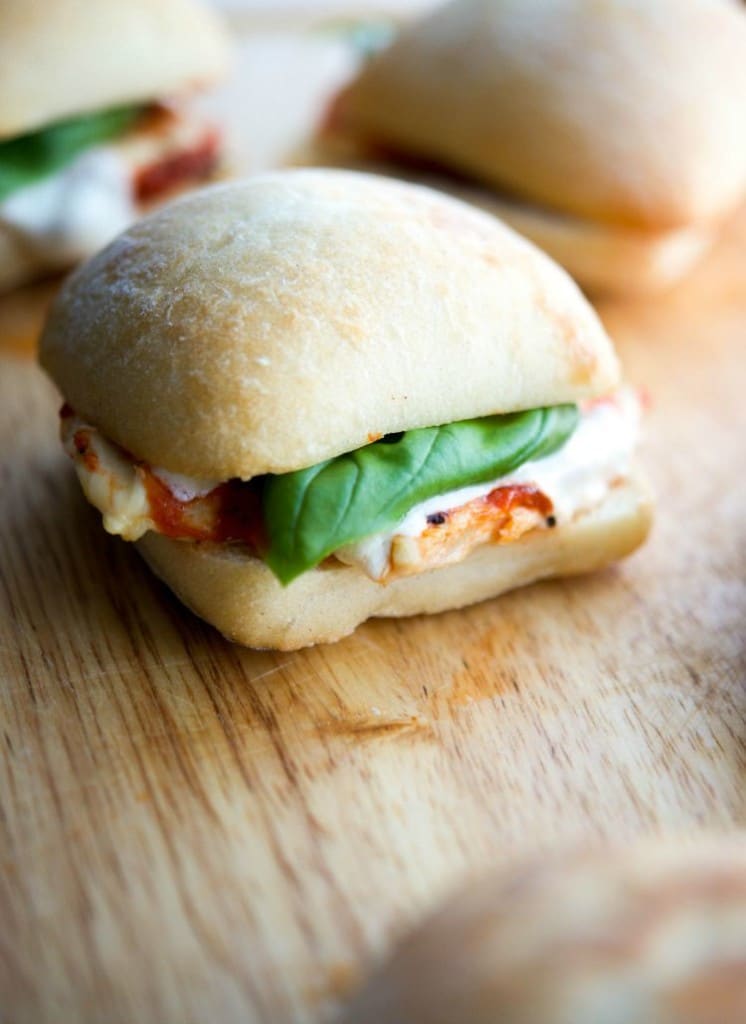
(313, 397)
(95, 124)
(611, 134)
(653, 934)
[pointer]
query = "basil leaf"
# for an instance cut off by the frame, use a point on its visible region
(312, 512)
(29, 158)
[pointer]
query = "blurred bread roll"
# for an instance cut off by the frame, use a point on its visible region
(611, 133)
(655, 935)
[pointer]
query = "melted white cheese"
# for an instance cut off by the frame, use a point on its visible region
(185, 488)
(72, 213)
(113, 483)
(575, 478)
(109, 478)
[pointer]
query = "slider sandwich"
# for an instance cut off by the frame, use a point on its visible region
(611, 134)
(94, 121)
(316, 396)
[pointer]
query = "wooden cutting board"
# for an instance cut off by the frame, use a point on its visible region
(192, 832)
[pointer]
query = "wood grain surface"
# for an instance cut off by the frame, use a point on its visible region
(191, 832)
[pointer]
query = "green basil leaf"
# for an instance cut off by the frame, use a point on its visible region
(312, 512)
(29, 158)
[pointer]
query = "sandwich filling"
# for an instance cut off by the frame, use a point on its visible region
(403, 504)
(67, 190)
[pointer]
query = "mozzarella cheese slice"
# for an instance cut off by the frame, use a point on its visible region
(74, 212)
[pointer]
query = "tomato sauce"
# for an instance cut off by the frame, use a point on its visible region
(82, 442)
(514, 496)
(495, 518)
(230, 512)
(191, 164)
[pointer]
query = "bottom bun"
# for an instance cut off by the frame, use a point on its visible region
(239, 595)
(606, 258)
(603, 257)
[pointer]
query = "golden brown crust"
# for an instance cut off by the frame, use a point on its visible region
(239, 595)
(652, 934)
(624, 112)
(59, 58)
(266, 325)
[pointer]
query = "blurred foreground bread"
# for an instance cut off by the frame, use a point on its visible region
(613, 133)
(653, 935)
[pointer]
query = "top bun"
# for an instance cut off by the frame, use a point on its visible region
(60, 58)
(626, 111)
(655, 934)
(265, 325)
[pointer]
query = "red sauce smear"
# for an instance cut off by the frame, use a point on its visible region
(82, 442)
(175, 169)
(230, 512)
(490, 517)
(520, 496)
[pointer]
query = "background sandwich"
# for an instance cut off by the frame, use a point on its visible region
(610, 134)
(317, 396)
(94, 124)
